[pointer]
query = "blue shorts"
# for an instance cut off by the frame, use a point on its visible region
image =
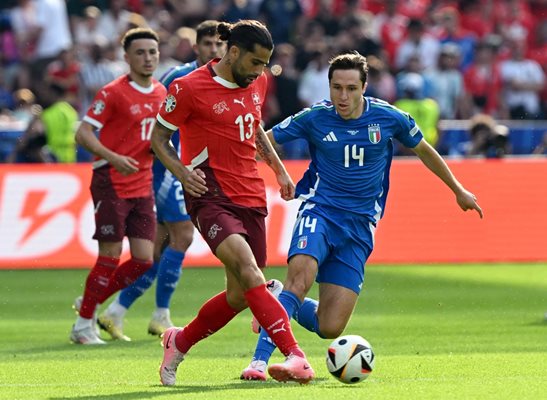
(170, 205)
(341, 242)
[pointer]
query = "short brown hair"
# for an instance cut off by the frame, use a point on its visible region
(138, 33)
(350, 60)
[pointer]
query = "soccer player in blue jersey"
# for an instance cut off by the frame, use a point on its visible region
(175, 229)
(343, 195)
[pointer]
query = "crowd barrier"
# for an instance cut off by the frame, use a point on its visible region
(46, 216)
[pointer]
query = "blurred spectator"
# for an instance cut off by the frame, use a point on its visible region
(166, 61)
(418, 42)
(513, 19)
(424, 110)
(451, 31)
(65, 72)
(355, 34)
(283, 18)
(476, 17)
(413, 65)
(59, 120)
(24, 24)
(32, 146)
(183, 43)
(87, 31)
(52, 34)
(283, 89)
(114, 20)
(483, 82)
(25, 106)
(9, 52)
(523, 80)
(380, 83)
(447, 82)
(390, 28)
(6, 96)
(487, 138)
(314, 86)
(95, 73)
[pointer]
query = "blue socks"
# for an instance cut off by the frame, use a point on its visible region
(168, 271)
(306, 316)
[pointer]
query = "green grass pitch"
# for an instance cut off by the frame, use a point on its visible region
(438, 332)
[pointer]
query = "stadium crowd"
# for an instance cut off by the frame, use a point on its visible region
(437, 59)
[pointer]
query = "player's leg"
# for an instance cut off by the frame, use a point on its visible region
(181, 234)
(140, 228)
(110, 215)
(127, 296)
(300, 277)
(84, 329)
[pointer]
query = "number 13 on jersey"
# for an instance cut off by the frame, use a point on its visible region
(246, 126)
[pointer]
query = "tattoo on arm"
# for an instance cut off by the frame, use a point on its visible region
(264, 148)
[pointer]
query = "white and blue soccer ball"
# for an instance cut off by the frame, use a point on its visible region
(350, 359)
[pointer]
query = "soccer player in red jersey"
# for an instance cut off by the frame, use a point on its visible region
(218, 110)
(124, 113)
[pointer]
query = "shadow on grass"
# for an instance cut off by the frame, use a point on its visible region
(186, 389)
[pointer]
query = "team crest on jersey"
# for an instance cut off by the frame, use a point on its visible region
(302, 242)
(170, 103)
(220, 107)
(374, 133)
(256, 98)
(98, 107)
(135, 109)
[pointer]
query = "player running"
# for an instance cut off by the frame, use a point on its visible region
(175, 229)
(344, 194)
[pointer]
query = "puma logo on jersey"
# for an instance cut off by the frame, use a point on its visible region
(236, 101)
(104, 93)
(148, 107)
(177, 88)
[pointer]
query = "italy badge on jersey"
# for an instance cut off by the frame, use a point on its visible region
(302, 242)
(374, 134)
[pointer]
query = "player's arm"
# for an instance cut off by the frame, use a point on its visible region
(85, 137)
(193, 181)
(267, 152)
(432, 160)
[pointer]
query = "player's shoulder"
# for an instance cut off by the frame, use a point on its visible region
(380, 106)
(178, 72)
(120, 83)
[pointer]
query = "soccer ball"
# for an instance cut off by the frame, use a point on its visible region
(350, 359)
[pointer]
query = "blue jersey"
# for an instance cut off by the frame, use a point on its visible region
(350, 159)
(176, 72)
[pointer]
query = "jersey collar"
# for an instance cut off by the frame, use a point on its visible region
(218, 79)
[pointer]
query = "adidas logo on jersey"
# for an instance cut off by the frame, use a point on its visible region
(331, 137)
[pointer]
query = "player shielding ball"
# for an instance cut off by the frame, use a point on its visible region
(218, 110)
(343, 193)
(175, 230)
(124, 113)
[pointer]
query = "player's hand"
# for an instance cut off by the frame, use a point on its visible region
(124, 165)
(194, 183)
(468, 201)
(286, 186)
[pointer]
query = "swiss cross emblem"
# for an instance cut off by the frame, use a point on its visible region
(256, 98)
(374, 133)
(135, 109)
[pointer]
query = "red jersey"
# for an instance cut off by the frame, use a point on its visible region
(125, 114)
(218, 121)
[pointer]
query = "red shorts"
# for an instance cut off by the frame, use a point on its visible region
(217, 221)
(117, 217)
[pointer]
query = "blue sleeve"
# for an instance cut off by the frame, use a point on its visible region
(293, 127)
(409, 133)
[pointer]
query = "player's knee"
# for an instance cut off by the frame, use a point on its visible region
(181, 238)
(330, 331)
(236, 300)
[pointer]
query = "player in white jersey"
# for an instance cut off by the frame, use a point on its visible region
(343, 195)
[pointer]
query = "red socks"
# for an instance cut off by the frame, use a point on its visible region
(123, 276)
(96, 282)
(272, 316)
(213, 315)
